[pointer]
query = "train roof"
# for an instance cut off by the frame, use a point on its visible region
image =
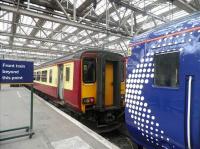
(172, 26)
(71, 56)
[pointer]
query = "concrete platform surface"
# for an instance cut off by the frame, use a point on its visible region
(53, 128)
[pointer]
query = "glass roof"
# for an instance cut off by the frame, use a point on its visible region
(6, 15)
(69, 29)
(99, 35)
(62, 38)
(101, 7)
(43, 33)
(122, 12)
(50, 25)
(112, 38)
(86, 41)
(78, 2)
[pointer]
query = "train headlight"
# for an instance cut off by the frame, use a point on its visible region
(89, 100)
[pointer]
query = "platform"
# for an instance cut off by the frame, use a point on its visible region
(53, 128)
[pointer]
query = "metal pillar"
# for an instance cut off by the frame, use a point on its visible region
(31, 112)
(2, 58)
(107, 22)
(132, 23)
(74, 10)
(63, 9)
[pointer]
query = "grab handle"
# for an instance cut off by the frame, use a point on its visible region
(189, 111)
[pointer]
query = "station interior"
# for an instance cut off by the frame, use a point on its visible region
(66, 69)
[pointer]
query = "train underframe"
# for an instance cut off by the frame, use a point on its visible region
(107, 119)
(102, 120)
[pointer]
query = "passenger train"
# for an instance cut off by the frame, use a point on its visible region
(163, 86)
(88, 82)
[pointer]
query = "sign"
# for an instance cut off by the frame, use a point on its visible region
(16, 71)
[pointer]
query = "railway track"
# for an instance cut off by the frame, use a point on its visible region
(117, 134)
(120, 139)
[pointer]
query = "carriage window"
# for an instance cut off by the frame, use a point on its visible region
(44, 76)
(38, 76)
(67, 73)
(89, 70)
(166, 69)
(50, 76)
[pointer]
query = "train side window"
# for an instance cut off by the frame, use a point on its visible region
(89, 70)
(166, 69)
(50, 76)
(38, 76)
(67, 73)
(44, 76)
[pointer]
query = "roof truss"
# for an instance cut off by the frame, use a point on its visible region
(58, 27)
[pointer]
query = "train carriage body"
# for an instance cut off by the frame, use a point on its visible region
(88, 81)
(163, 86)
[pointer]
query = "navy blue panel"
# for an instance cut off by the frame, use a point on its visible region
(16, 71)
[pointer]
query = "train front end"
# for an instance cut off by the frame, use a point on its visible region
(162, 87)
(102, 86)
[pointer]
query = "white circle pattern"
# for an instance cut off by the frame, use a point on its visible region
(143, 118)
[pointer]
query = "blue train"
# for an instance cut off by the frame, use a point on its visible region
(163, 86)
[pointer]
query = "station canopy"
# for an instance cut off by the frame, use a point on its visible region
(42, 30)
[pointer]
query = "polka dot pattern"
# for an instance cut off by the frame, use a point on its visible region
(143, 117)
(138, 109)
(172, 40)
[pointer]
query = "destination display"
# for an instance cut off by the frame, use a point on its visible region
(16, 71)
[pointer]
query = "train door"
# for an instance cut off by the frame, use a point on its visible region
(60, 81)
(176, 80)
(109, 83)
(170, 85)
(190, 62)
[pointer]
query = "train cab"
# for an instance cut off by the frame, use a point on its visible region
(102, 83)
(162, 97)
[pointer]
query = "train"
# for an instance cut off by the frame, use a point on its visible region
(162, 101)
(90, 83)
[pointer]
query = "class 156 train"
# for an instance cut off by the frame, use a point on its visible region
(163, 86)
(88, 82)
